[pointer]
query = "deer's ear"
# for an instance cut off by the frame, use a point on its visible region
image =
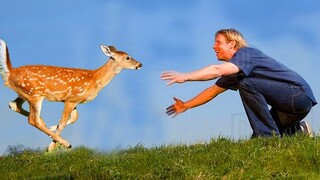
(108, 50)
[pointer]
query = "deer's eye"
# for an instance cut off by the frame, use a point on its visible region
(128, 58)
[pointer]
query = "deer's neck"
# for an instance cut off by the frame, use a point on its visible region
(104, 74)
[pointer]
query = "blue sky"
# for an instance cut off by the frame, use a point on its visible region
(163, 35)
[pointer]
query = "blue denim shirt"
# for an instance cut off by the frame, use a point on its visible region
(255, 64)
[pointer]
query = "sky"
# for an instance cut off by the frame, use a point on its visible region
(163, 35)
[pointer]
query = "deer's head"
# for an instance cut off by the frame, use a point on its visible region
(122, 59)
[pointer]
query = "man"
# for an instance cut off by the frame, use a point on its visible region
(261, 82)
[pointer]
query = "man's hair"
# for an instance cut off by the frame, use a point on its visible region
(233, 35)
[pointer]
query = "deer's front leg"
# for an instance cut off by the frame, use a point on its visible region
(73, 119)
(36, 121)
(69, 111)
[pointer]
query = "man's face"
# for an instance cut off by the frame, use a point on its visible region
(224, 50)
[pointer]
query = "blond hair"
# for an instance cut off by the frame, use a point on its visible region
(233, 35)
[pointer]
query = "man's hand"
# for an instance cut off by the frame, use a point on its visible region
(177, 108)
(173, 77)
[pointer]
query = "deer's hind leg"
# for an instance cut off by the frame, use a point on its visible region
(16, 105)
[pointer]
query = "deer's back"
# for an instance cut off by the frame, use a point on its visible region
(52, 82)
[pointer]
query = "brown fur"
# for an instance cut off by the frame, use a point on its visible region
(34, 83)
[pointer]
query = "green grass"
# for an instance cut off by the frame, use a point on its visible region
(222, 158)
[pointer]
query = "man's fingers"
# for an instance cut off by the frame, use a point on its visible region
(170, 83)
(171, 76)
(176, 99)
(170, 111)
(166, 75)
(170, 107)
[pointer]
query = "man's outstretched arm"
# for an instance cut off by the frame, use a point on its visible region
(202, 98)
(207, 73)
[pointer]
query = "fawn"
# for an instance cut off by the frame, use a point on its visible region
(72, 86)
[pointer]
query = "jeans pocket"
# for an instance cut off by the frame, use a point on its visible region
(300, 102)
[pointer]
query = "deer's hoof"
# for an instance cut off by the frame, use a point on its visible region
(13, 106)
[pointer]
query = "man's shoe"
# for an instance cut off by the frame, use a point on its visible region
(305, 128)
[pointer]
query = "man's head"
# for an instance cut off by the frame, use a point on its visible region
(227, 42)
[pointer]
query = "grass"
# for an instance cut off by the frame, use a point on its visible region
(222, 158)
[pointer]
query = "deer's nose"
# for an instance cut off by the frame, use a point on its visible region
(138, 66)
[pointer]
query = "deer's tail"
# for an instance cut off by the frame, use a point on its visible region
(5, 63)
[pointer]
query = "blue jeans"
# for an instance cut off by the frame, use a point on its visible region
(288, 103)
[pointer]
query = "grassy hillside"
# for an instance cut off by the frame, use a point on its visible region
(274, 158)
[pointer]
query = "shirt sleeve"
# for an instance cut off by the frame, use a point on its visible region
(230, 81)
(243, 60)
